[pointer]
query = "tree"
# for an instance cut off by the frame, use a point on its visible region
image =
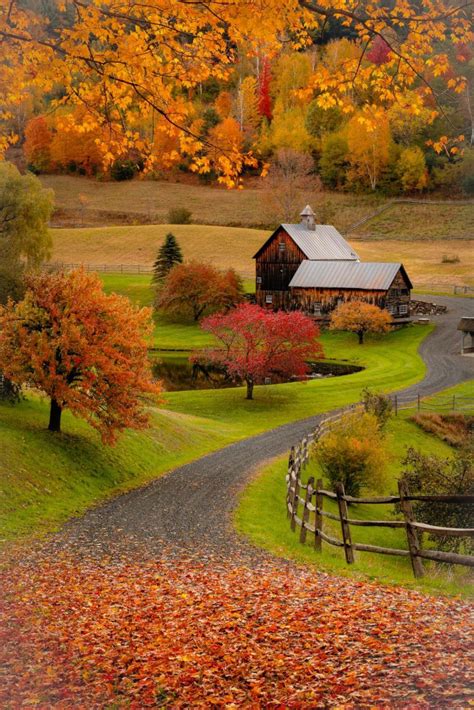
(195, 288)
(37, 145)
(352, 452)
(361, 318)
(333, 163)
(368, 140)
(168, 256)
(254, 343)
(412, 170)
(86, 350)
(264, 98)
(246, 106)
(120, 63)
(288, 184)
(25, 241)
(432, 475)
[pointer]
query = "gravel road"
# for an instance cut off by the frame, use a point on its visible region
(188, 510)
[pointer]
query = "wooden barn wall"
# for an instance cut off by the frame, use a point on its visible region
(398, 293)
(276, 268)
(329, 298)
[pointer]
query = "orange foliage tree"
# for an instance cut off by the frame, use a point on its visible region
(119, 60)
(198, 289)
(37, 146)
(368, 139)
(86, 350)
(361, 318)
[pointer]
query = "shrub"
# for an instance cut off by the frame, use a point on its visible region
(123, 170)
(432, 475)
(179, 215)
(450, 259)
(353, 452)
(380, 405)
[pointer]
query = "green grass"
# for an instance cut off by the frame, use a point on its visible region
(391, 362)
(261, 516)
(46, 478)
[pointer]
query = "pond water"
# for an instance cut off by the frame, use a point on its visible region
(178, 374)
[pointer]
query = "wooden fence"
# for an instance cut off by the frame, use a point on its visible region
(305, 508)
(455, 403)
(101, 268)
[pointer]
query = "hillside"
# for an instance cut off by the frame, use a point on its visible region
(146, 201)
(234, 247)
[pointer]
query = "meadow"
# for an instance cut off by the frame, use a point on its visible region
(234, 247)
(149, 201)
(261, 514)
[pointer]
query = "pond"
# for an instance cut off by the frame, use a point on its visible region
(178, 374)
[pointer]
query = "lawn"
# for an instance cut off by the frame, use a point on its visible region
(146, 200)
(234, 247)
(46, 478)
(261, 515)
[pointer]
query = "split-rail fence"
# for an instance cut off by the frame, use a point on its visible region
(305, 507)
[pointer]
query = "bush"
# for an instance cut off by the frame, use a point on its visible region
(455, 429)
(380, 405)
(353, 452)
(123, 170)
(179, 215)
(9, 391)
(432, 475)
(450, 259)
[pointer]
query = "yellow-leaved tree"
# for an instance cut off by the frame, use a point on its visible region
(123, 60)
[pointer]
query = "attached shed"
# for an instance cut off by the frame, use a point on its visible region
(466, 326)
(320, 286)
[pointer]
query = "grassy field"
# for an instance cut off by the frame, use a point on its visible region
(47, 478)
(261, 516)
(145, 200)
(227, 246)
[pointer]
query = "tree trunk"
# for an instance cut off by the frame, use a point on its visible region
(249, 389)
(360, 333)
(55, 416)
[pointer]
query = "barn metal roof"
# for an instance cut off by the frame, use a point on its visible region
(345, 274)
(323, 242)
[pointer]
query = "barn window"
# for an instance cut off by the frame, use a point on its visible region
(259, 279)
(404, 291)
(269, 298)
(282, 246)
(392, 309)
(317, 309)
(403, 309)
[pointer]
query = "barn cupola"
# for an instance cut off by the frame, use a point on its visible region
(308, 218)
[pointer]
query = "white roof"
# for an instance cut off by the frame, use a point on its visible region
(323, 242)
(345, 274)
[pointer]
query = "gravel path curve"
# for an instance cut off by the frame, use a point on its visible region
(188, 510)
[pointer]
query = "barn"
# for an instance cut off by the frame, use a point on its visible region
(311, 267)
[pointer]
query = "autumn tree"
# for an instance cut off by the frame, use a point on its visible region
(264, 97)
(411, 168)
(352, 452)
(368, 140)
(168, 256)
(361, 318)
(246, 106)
(195, 288)
(120, 63)
(84, 349)
(254, 343)
(333, 163)
(37, 145)
(288, 184)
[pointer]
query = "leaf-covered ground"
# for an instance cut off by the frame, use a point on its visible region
(187, 634)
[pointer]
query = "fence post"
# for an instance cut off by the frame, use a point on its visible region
(294, 502)
(412, 536)
(289, 488)
(396, 405)
(318, 518)
(305, 517)
(345, 527)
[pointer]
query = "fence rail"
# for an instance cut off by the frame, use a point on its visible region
(309, 516)
(454, 403)
(102, 268)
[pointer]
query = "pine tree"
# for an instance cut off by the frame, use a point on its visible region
(168, 255)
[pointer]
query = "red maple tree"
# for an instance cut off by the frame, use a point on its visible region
(85, 349)
(379, 53)
(264, 98)
(254, 343)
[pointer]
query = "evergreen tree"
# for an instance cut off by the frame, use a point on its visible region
(168, 255)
